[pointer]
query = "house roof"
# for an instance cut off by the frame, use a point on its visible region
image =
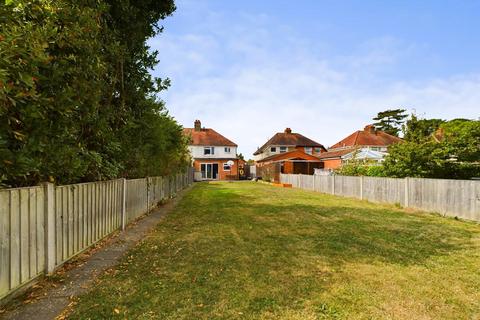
(337, 154)
(207, 137)
(292, 155)
(289, 138)
(367, 137)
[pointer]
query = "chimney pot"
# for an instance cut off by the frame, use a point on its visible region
(197, 125)
(288, 130)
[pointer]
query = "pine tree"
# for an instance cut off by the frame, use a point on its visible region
(390, 121)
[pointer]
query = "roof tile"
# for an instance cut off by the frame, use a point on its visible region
(289, 139)
(367, 137)
(207, 137)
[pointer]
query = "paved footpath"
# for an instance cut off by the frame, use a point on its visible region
(79, 279)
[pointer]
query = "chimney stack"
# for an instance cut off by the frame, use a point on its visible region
(370, 129)
(198, 125)
(288, 130)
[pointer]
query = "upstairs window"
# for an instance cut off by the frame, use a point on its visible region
(208, 150)
(308, 150)
(227, 149)
(283, 149)
(273, 149)
(318, 150)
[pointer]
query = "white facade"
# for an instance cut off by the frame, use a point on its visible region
(219, 152)
(277, 149)
(272, 150)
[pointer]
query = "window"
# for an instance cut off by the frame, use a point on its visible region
(227, 149)
(375, 148)
(308, 150)
(226, 167)
(273, 149)
(283, 149)
(208, 150)
(209, 170)
(318, 150)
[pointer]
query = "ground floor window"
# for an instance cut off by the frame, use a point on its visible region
(209, 170)
(226, 167)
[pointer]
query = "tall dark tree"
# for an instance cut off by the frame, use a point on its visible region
(77, 101)
(390, 121)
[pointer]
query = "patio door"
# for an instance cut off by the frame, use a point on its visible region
(209, 170)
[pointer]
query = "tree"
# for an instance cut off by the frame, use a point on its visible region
(452, 152)
(77, 101)
(390, 121)
(418, 130)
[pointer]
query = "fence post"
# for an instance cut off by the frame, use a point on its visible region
(333, 184)
(49, 211)
(124, 203)
(361, 187)
(313, 183)
(406, 192)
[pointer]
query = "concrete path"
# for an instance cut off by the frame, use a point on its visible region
(79, 279)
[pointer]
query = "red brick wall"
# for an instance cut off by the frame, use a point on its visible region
(222, 175)
(332, 163)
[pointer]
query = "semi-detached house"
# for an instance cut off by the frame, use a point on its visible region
(369, 145)
(287, 152)
(212, 153)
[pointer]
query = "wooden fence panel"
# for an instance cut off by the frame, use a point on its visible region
(348, 186)
(21, 237)
(85, 213)
(460, 198)
(136, 201)
(324, 184)
(37, 226)
(389, 190)
(448, 197)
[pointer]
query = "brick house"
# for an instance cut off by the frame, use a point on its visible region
(367, 144)
(287, 152)
(211, 153)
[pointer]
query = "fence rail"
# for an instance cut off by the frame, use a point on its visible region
(458, 198)
(43, 227)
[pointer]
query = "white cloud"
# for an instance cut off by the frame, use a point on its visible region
(247, 80)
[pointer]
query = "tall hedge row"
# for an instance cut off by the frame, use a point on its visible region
(77, 101)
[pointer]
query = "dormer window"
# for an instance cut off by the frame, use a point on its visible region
(273, 149)
(208, 150)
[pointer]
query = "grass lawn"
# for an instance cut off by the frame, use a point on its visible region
(246, 250)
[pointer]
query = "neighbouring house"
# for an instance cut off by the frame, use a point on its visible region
(368, 145)
(211, 154)
(287, 152)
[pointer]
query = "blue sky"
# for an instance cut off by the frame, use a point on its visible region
(324, 68)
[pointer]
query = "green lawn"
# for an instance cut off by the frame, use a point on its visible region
(251, 251)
